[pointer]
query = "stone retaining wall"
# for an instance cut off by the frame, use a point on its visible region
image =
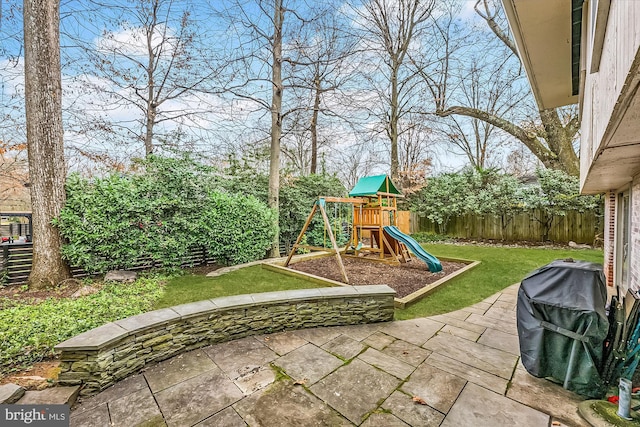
(102, 356)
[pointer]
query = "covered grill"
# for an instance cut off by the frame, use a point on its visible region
(562, 324)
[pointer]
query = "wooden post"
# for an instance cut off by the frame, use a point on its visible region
(304, 228)
(380, 225)
(333, 242)
(386, 242)
(5, 260)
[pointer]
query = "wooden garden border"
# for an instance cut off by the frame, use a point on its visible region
(400, 303)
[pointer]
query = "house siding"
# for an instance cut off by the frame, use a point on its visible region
(603, 89)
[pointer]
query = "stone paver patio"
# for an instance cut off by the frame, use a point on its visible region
(463, 367)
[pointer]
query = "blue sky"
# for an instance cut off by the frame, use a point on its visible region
(220, 120)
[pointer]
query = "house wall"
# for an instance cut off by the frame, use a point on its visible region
(609, 235)
(634, 254)
(602, 89)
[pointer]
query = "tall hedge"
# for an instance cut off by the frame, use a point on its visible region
(297, 196)
(162, 212)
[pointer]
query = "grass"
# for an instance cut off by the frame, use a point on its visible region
(29, 332)
(499, 268)
(189, 288)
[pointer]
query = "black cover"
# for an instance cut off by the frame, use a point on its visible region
(557, 304)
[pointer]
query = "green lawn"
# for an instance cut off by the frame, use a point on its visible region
(189, 288)
(499, 268)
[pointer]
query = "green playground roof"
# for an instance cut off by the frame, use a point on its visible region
(370, 185)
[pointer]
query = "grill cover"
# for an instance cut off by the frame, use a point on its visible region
(559, 303)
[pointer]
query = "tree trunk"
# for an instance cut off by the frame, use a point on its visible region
(555, 151)
(150, 118)
(149, 122)
(276, 123)
(393, 122)
(314, 126)
(560, 140)
(47, 170)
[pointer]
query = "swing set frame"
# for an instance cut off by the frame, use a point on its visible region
(374, 212)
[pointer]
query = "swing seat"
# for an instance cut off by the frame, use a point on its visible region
(357, 248)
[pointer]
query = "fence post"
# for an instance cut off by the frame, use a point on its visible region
(4, 270)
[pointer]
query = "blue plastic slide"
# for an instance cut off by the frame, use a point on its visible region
(432, 262)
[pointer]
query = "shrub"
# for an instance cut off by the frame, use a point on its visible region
(28, 333)
(444, 198)
(426, 237)
(297, 196)
(487, 192)
(237, 228)
(161, 213)
(556, 194)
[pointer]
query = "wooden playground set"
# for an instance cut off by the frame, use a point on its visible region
(374, 209)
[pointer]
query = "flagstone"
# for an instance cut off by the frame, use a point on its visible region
(406, 352)
(501, 340)
(194, 400)
(282, 342)
(439, 389)
(488, 359)
(478, 406)
(416, 415)
(538, 392)
(178, 369)
(415, 331)
(284, 404)
(379, 340)
(387, 363)
(308, 363)
(344, 389)
(344, 347)
(238, 357)
(469, 373)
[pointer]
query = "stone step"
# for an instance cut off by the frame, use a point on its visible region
(10, 393)
(52, 396)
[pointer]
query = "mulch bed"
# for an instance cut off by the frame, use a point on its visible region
(14, 294)
(404, 279)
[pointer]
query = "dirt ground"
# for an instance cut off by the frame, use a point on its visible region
(40, 376)
(404, 279)
(20, 294)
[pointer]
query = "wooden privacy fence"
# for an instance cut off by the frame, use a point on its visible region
(15, 263)
(575, 226)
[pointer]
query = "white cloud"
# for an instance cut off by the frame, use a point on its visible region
(133, 41)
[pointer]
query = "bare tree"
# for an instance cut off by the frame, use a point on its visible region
(322, 60)
(47, 170)
(390, 27)
(550, 136)
(14, 175)
(488, 83)
(521, 162)
(277, 89)
(355, 161)
(150, 58)
(415, 146)
(260, 70)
